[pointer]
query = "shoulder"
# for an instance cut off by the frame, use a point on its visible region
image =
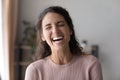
(37, 64)
(34, 70)
(90, 65)
(89, 59)
(93, 67)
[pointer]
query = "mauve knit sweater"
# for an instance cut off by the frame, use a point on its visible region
(85, 67)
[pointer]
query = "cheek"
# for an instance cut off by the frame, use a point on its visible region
(46, 35)
(68, 34)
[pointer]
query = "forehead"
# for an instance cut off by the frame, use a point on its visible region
(51, 16)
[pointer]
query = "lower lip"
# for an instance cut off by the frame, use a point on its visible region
(58, 41)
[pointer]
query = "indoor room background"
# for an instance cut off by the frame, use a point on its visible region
(97, 21)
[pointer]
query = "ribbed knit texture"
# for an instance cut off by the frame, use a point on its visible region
(85, 67)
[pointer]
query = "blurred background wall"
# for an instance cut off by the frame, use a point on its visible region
(97, 21)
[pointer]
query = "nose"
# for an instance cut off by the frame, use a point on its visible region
(55, 30)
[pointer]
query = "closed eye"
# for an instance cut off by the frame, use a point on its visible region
(60, 23)
(48, 26)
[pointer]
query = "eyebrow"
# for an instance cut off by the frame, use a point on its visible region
(48, 24)
(61, 21)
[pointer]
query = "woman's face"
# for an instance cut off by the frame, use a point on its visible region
(55, 31)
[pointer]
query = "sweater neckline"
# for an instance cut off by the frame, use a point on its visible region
(61, 65)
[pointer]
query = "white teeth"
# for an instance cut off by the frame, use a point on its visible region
(56, 38)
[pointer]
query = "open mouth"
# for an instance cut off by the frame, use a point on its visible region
(57, 38)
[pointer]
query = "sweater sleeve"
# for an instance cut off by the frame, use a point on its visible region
(96, 71)
(31, 73)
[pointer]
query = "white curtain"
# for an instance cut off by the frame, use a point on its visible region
(9, 18)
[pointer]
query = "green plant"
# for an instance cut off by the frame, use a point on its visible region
(29, 35)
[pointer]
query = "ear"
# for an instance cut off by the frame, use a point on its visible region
(42, 37)
(71, 32)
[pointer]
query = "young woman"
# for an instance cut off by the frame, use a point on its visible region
(62, 57)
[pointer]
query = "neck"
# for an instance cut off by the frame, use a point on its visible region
(61, 57)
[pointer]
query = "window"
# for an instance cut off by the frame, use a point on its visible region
(4, 56)
(1, 44)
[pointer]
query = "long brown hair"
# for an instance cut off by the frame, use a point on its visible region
(43, 48)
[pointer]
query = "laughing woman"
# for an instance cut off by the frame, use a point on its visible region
(62, 58)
